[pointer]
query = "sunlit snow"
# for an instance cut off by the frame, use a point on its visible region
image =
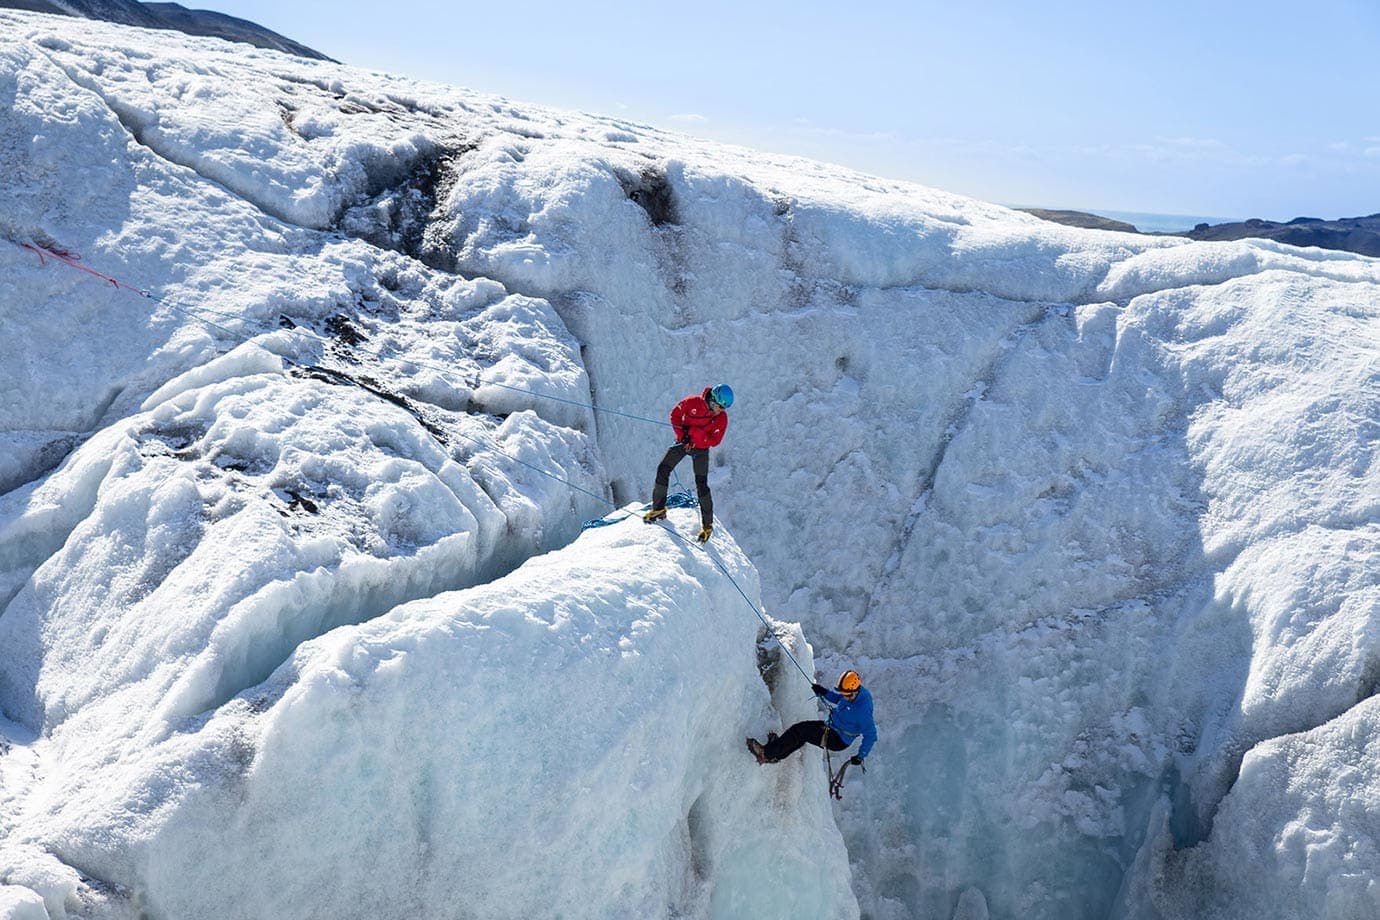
(298, 618)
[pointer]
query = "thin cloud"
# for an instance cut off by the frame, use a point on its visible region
(1167, 150)
(804, 127)
(1193, 143)
(688, 118)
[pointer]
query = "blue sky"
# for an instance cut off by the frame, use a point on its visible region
(1226, 109)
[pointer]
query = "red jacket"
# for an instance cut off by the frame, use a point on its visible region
(691, 417)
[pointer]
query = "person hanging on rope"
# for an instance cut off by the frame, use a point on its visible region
(699, 422)
(852, 716)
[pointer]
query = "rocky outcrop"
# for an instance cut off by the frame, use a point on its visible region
(172, 16)
(1081, 219)
(1347, 234)
(1350, 234)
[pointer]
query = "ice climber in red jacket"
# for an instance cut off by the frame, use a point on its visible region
(699, 422)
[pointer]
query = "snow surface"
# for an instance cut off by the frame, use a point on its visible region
(1095, 515)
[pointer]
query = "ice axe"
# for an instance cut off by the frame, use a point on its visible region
(836, 780)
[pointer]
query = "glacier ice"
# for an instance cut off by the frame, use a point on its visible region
(1095, 515)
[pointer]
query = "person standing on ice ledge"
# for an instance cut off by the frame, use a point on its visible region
(852, 716)
(699, 422)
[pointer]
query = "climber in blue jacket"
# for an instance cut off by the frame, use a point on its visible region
(852, 716)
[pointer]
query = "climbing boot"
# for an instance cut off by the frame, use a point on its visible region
(655, 514)
(705, 533)
(757, 750)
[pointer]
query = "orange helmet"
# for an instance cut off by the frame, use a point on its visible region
(850, 682)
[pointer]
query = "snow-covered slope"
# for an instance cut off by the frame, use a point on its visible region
(1095, 515)
(564, 740)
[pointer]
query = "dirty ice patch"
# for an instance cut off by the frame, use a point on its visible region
(264, 510)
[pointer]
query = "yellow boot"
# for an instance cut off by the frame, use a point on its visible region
(705, 533)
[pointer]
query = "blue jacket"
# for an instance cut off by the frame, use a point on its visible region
(853, 718)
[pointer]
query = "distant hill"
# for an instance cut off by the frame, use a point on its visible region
(1348, 234)
(172, 16)
(1081, 219)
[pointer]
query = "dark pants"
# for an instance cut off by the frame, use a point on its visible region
(801, 733)
(700, 456)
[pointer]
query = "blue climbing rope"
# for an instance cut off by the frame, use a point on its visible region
(683, 498)
(761, 616)
(572, 402)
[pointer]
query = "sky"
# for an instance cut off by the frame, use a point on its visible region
(1223, 109)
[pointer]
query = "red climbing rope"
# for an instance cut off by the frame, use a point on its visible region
(73, 260)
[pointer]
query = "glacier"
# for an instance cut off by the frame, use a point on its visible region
(299, 619)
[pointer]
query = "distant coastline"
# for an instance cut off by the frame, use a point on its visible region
(1348, 234)
(1168, 223)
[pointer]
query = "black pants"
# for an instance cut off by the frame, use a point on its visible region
(799, 734)
(700, 456)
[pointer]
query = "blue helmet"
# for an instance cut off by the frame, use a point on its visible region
(722, 394)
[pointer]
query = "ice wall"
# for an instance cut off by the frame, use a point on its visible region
(1053, 493)
(1095, 514)
(296, 433)
(564, 740)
